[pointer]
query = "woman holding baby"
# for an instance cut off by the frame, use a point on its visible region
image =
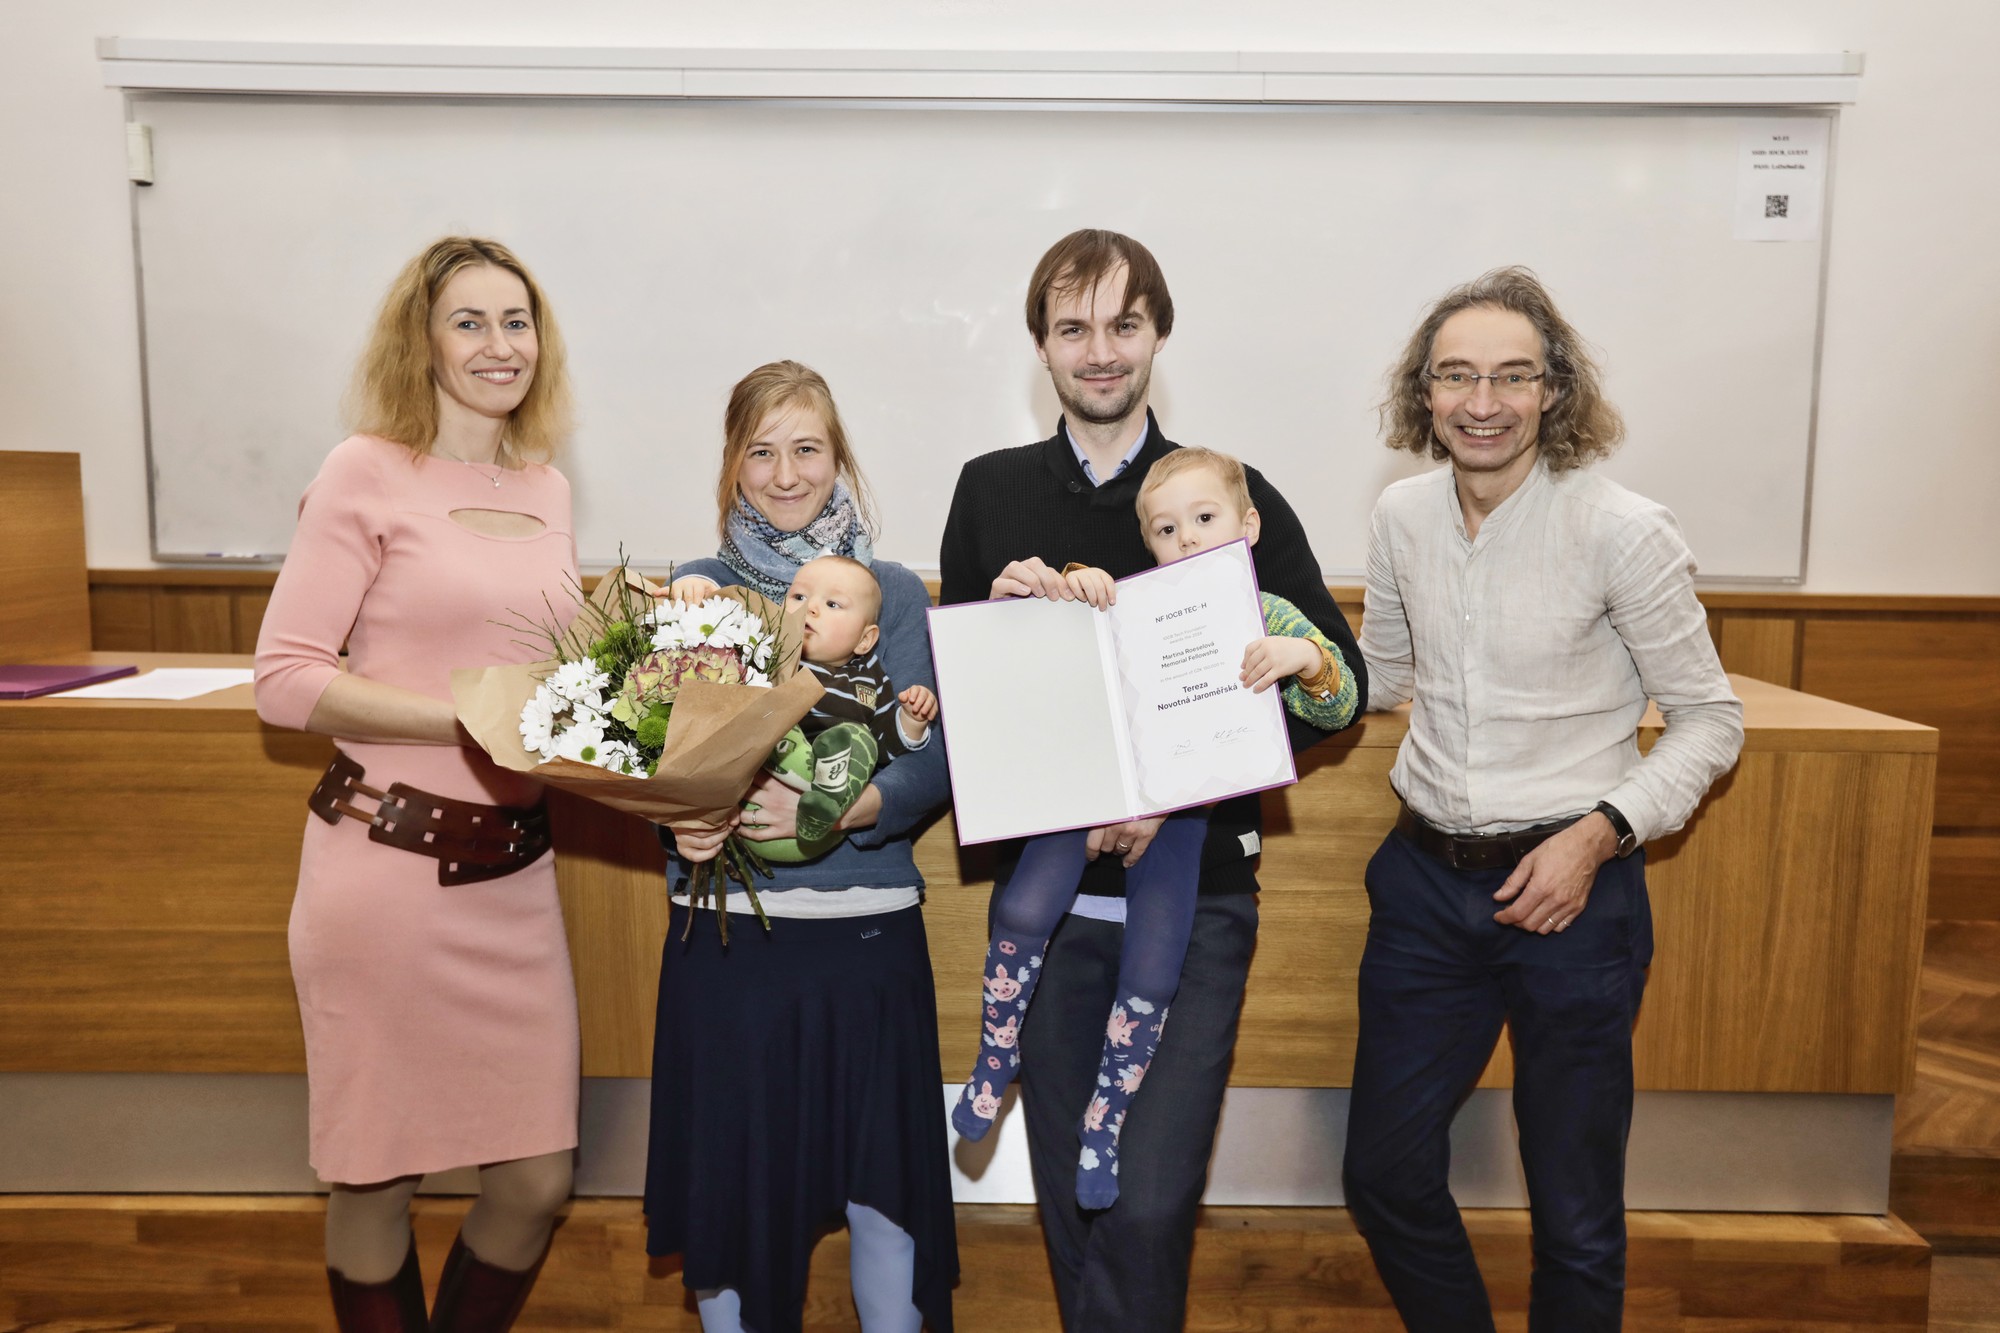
(796, 1074)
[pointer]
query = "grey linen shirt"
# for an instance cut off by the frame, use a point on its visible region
(1530, 652)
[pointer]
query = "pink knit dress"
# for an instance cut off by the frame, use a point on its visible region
(440, 1023)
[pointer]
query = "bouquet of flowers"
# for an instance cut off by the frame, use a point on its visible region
(657, 708)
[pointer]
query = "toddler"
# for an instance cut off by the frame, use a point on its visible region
(1192, 499)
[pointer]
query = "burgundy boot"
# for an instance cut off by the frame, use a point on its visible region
(476, 1297)
(395, 1306)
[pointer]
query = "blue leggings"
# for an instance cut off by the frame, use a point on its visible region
(1159, 899)
(882, 1267)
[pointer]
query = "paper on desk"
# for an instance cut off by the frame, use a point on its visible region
(166, 683)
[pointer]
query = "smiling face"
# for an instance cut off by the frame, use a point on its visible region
(1489, 432)
(788, 470)
(1190, 512)
(837, 601)
(1099, 352)
(483, 346)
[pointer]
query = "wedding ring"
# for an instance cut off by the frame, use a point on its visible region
(1124, 846)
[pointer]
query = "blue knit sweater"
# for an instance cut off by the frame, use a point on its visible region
(913, 787)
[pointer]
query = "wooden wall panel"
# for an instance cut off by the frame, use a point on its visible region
(45, 611)
(1945, 674)
(1763, 646)
(121, 620)
(194, 620)
(1965, 877)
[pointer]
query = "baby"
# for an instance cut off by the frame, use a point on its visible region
(1192, 499)
(851, 729)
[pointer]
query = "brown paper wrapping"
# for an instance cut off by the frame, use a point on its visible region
(717, 738)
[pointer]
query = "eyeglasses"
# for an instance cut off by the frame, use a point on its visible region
(1506, 383)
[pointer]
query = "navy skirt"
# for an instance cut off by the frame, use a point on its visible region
(794, 1072)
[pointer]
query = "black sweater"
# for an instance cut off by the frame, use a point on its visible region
(1035, 501)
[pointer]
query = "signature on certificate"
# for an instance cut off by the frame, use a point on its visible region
(1188, 746)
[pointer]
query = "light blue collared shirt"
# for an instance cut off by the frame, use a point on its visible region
(1089, 472)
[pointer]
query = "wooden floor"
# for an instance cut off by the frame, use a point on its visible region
(1946, 1180)
(236, 1264)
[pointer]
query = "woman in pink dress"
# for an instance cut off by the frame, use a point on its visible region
(427, 943)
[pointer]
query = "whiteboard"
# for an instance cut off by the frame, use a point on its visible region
(684, 243)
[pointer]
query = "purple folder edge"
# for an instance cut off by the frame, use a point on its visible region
(54, 678)
(1291, 760)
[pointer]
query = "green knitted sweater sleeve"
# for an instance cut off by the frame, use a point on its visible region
(1281, 617)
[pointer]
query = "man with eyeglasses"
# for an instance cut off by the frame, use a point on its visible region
(1529, 608)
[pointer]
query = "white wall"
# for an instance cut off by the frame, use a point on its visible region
(1907, 468)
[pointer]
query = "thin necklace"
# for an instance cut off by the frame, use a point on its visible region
(494, 477)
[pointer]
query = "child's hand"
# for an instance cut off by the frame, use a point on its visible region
(1269, 660)
(919, 704)
(690, 590)
(1093, 586)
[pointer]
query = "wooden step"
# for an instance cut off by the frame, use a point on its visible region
(1951, 1199)
(167, 1264)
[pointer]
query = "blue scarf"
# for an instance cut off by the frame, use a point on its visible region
(768, 560)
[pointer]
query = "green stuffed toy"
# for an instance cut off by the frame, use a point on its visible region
(829, 773)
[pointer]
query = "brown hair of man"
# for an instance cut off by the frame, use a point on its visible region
(1227, 470)
(767, 389)
(1578, 429)
(1082, 260)
(871, 586)
(394, 394)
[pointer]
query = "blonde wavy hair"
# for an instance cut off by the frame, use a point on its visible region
(767, 389)
(394, 394)
(1580, 428)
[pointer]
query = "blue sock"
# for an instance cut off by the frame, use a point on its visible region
(1013, 965)
(1131, 1036)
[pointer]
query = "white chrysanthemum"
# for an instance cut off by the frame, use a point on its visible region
(581, 742)
(621, 757)
(672, 627)
(538, 721)
(580, 680)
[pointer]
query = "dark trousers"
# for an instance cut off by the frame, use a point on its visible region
(1127, 1268)
(1438, 979)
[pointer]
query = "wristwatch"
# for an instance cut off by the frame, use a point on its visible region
(1628, 842)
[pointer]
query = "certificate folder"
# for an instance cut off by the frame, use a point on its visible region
(30, 682)
(1058, 716)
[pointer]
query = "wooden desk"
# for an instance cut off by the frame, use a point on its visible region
(152, 848)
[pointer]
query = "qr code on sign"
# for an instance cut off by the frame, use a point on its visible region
(1777, 205)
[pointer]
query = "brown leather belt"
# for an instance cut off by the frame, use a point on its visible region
(471, 842)
(1476, 851)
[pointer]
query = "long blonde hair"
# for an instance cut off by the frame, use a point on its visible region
(395, 394)
(767, 389)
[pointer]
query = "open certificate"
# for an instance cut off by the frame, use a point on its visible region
(1060, 717)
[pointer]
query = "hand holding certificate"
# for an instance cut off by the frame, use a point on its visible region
(1064, 717)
